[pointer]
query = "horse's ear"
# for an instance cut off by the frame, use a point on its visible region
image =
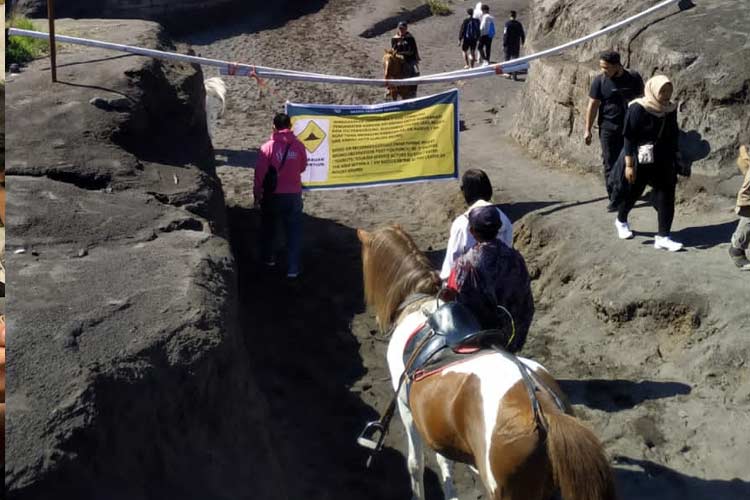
(363, 236)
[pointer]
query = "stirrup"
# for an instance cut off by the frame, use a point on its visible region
(367, 438)
(372, 430)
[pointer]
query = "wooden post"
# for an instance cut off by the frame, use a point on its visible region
(52, 52)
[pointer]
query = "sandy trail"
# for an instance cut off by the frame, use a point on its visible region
(649, 345)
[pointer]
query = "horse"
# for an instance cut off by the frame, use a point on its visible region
(216, 93)
(395, 67)
(522, 441)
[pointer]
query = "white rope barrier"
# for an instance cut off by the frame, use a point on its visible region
(239, 69)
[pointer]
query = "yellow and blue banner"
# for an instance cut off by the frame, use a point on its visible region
(350, 146)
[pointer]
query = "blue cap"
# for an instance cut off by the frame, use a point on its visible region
(485, 219)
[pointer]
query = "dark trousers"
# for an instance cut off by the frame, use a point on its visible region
(663, 185)
(611, 142)
(285, 209)
(511, 51)
(485, 47)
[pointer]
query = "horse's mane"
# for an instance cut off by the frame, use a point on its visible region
(394, 268)
(393, 63)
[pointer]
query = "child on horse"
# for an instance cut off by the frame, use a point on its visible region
(492, 280)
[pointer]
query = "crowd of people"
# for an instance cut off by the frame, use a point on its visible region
(639, 137)
(478, 31)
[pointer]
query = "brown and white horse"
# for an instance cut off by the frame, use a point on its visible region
(477, 411)
(396, 68)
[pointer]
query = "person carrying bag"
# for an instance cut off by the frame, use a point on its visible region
(278, 192)
(649, 158)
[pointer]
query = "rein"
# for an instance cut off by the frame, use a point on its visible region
(532, 382)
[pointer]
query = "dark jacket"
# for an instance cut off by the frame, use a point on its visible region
(406, 46)
(513, 34)
(491, 274)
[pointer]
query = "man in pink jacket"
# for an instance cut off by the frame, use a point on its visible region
(287, 155)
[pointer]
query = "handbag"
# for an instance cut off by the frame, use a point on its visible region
(646, 150)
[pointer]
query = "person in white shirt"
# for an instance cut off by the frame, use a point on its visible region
(477, 191)
(486, 34)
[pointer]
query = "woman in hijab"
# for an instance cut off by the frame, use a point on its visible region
(650, 152)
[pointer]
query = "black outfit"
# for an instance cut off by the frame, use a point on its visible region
(642, 127)
(513, 38)
(468, 35)
(614, 95)
(485, 47)
(407, 46)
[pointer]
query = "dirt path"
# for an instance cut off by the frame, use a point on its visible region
(651, 347)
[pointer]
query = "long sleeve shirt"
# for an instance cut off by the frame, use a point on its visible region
(461, 240)
(642, 127)
(272, 152)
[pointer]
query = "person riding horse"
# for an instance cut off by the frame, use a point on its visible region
(405, 46)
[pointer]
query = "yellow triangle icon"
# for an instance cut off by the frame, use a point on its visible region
(312, 136)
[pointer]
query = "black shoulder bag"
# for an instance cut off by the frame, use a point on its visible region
(271, 180)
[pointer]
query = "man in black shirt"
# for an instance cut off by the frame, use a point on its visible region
(513, 38)
(405, 45)
(610, 93)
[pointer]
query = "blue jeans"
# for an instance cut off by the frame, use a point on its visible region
(287, 210)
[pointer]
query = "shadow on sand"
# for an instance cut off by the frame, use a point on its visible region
(645, 480)
(245, 158)
(212, 25)
(618, 395)
(306, 359)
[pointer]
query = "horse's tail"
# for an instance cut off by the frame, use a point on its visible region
(580, 467)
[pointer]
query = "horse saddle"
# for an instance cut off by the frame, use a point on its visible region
(448, 335)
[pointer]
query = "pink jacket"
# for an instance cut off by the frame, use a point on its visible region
(272, 152)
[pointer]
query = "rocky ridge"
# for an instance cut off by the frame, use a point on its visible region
(703, 47)
(125, 376)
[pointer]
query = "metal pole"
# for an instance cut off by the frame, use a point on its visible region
(52, 52)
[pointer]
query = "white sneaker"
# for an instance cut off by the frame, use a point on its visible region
(667, 243)
(623, 230)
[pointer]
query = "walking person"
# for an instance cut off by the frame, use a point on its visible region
(468, 36)
(284, 158)
(405, 45)
(486, 34)
(513, 38)
(650, 152)
(610, 93)
(741, 236)
(477, 191)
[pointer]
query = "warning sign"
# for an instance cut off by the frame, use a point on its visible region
(312, 136)
(390, 143)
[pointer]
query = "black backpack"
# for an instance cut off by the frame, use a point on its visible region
(271, 180)
(472, 30)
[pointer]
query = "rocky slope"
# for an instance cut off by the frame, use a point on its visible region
(124, 376)
(704, 48)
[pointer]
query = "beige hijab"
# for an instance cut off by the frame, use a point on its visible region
(650, 101)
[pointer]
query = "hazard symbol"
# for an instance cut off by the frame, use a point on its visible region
(312, 136)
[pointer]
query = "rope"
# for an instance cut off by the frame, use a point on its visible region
(283, 74)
